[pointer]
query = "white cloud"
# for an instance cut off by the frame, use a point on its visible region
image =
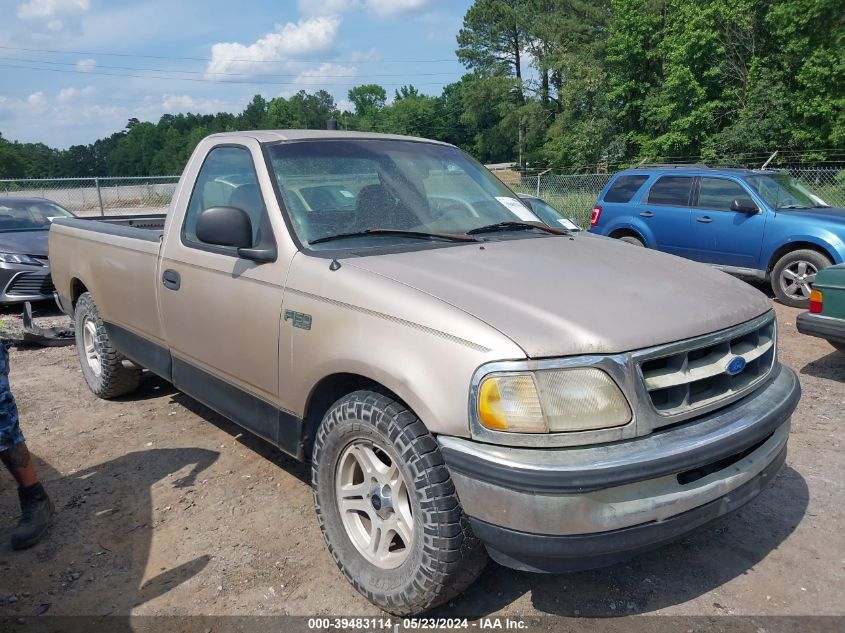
(70, 94)
(382, 8)
(51, 8)
(187, 103)
(37, 99)
(86, 64)
(325, 74)
(371, 55)
(286, 42)
(344, 105)
(387, 8)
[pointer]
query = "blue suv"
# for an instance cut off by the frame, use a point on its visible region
(756, 224)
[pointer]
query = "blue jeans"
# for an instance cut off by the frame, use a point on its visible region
(10, 430)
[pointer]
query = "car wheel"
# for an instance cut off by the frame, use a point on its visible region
(108, 373)
(630, 239)
(794, 274)
(388, 508)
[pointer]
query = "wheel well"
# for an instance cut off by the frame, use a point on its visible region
(328, 391)
(795, 246)
(76, 290)
(626, 233)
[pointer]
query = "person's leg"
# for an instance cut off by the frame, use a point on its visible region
(36, 507)
(19, 464)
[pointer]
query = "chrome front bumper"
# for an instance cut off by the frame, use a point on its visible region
(573, 508)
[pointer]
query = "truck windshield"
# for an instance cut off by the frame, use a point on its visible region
(29, 215)
(782, 191)
(407, 189)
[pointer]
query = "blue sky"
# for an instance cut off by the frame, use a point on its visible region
(73, 71)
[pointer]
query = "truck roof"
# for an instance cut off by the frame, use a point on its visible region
(271, 136)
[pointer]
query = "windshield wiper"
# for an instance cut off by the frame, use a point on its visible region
(513, 225)
(452, 237)
(793, 206)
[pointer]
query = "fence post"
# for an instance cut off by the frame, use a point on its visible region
(537, 193)
(99, 196)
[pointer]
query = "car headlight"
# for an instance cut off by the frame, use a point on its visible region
(551, 401)
(12, 258)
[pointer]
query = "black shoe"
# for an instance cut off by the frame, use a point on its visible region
(36, 510)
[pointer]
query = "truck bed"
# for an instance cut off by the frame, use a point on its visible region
(117, 257)
(143, 227)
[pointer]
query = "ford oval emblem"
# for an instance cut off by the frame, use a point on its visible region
(736, 365)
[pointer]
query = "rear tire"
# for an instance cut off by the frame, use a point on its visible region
(407, 549)
(108, 372)
(630, 239)
(794, 274)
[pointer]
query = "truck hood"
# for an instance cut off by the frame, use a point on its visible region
(24, 242)
(560, 296)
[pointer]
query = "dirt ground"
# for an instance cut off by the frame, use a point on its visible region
(166, 508)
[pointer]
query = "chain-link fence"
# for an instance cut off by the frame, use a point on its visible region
(98, 196)
(573, 194)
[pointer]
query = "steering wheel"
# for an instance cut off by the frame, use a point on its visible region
(452, 207)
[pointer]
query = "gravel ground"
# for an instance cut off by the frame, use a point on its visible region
(166, 508)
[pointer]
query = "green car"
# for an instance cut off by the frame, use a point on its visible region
(826, 318)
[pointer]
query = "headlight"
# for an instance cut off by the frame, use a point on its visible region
(11, 258)
(551, 401)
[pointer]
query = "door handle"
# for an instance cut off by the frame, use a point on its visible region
(706, 219)
(647, 214)
(171, 279)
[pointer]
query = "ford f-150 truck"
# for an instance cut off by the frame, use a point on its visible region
(465, 380)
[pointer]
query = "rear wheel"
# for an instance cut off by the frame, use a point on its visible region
(630, 239)
(108, 373)
(387, 506)
(794, 274)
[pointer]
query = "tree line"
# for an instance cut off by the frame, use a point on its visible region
(559, 84)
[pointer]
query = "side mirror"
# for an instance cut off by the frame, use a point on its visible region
(225, 226)
(744, 205)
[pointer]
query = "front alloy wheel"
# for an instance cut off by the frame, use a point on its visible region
(375, 508)
(797, 279)
(388, 508)
(794, 274)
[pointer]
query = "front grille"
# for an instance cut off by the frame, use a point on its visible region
(31, 284)
(695, 375)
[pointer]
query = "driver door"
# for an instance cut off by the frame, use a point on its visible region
(221, 313)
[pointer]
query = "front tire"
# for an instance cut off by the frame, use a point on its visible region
(794, 274)
(388, 508)
(108, 372)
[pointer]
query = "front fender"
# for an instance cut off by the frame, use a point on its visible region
(423, 349)
(822, 238)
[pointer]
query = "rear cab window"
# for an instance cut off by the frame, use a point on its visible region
(671, 191)
(623, 188)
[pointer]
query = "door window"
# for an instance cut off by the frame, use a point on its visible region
(227, 178)
(719, 193)
(672, 191)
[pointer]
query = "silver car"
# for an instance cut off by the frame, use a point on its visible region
(24, 268)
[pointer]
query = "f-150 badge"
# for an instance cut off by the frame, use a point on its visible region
(299, 319)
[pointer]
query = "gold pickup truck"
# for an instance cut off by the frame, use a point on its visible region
(465, 380)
